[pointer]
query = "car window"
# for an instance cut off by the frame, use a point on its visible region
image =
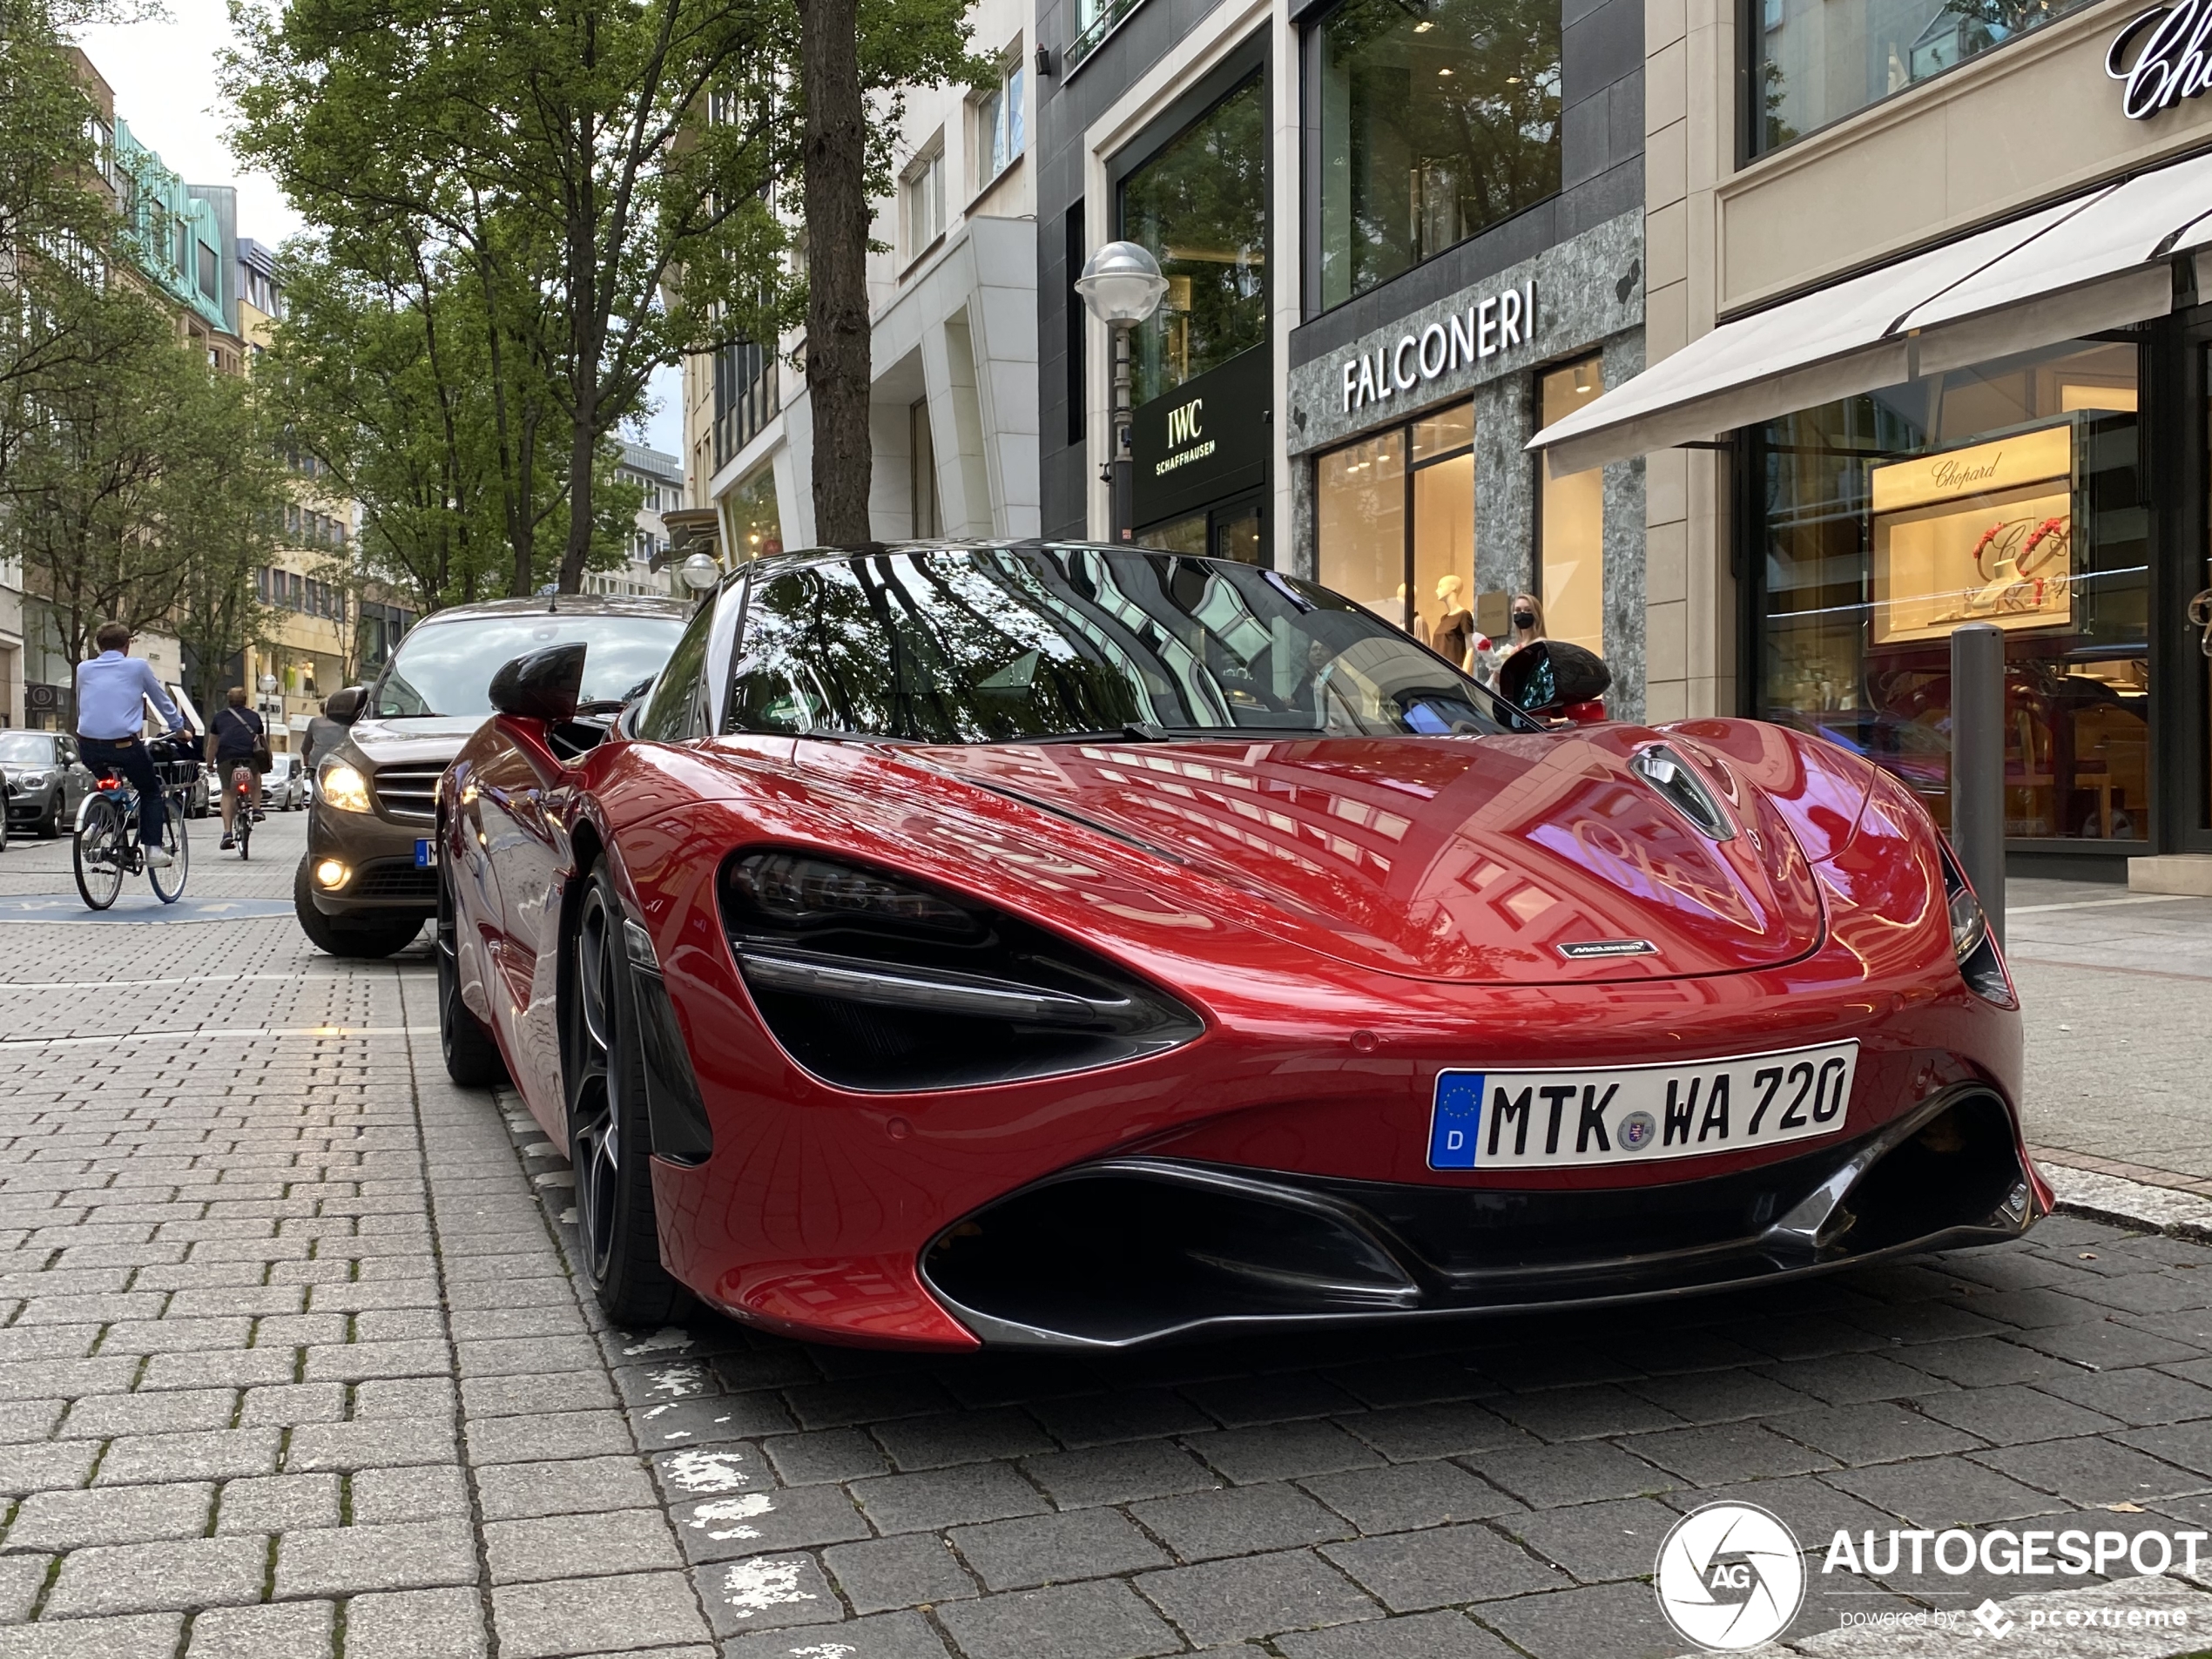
(26, 749)
(447, 667)
(1006, 644)
(670, 708)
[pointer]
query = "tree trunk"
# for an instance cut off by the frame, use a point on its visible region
(837, 252)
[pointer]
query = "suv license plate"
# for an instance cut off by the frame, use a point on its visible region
(426, 854)
(1529, 1120)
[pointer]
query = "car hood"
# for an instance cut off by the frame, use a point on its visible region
(1481, 860)
(437, 738)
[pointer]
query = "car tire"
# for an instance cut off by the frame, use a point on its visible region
(365, 940)
(609, 1139)
(472, 1057)
(50, 827)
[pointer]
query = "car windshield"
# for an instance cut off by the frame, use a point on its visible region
(1022, 644)
(446, 667)
(26, 749)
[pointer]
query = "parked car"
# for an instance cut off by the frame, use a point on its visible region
(44, 781)
(284, 786)
(369, 881)
(1124, 945)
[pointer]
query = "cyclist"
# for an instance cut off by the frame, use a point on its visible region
(235, 734)
(113, 691)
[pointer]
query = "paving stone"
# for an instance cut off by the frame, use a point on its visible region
(56, 1520)
(522, 1491)
(1721, 1396)
(1094, 1621)
(890, 1636)
(829, 1455)
(1256, 1595)
(1413, 1494)
(1240, 1520)
(2013, 1414)
(1604, 1622)
(1413, 1571)
(626, 1541)
(538, 1439)
(1544, 1477)
(379, 1497)
(746, 1523)
(1131, 1414)
(910, 1570)
(284, 1630)
(2134, 1394)
(216, 1455)
(1050, 1549)
(1852, 1378)
(350, 1560)
(418, 1624)
(1945, 1492)
(2093, 1470)
(46, 1467)
(1876, 1431)
(713, 1419)
(946, 1497)
(767, 1593)
(962, 1437)
(2107, 1345)
(1984, 1362)
(1422, 1635)
(1729, 1451)
(1587, 1412)
(1415, 1434)
(278, 1503)
(1281, 1452)
(284, 1404)
(30, 1419)
(152, 1578)
(160, 1412)
(149, 1636)
(528, 1396)
(1597, 1541)
(22, 1578)
(1118, 1473)
(1239, 1402)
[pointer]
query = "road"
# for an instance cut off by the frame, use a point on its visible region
(294, 1364)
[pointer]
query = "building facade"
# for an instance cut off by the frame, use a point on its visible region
(658, 476)
(1398, 238)
(954, 421)
(1929, 332)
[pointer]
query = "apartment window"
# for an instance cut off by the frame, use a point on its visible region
(1571, 544)
(745, 397)
(1438, 120)
(211, 280)
(1816, 61)
(1200, 204)
(921, 198)
(998, 121)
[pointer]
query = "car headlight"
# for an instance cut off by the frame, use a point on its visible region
(1980, 964)
(877, 982)
(31, 779)
(342, 786)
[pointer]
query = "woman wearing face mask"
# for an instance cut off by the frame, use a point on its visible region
(1527, 620)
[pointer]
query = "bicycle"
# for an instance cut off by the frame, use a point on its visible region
(242, 814)
(107, 832)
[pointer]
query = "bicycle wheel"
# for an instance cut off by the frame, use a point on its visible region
(99, 853)
(169, 884)
(244, 835)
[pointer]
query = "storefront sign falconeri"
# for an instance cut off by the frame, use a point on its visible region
(1486, 328)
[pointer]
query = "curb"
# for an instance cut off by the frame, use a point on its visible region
(2122, 1202)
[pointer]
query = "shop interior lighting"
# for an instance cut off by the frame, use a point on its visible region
(1423, 27)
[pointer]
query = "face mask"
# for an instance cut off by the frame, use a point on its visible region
(1524, 619)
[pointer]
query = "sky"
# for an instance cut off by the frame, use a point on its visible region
(165, 78)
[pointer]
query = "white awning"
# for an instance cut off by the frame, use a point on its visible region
(2099, 261)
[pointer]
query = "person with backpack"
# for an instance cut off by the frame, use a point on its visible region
(237, 737)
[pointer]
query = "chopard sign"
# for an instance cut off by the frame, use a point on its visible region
(2172, 64)
(1483, 330)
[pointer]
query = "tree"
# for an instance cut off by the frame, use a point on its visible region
(839, 373)
(608, 167)
(221, 503)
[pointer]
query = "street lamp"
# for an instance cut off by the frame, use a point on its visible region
(1121, 286)
(699, 572)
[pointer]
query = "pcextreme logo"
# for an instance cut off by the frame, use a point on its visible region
(1730, 1577)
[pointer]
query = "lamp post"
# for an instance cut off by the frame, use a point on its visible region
(700, 573)
(1121, 286)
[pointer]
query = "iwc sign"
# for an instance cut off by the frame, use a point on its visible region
(1202, 441)
(2172, 62)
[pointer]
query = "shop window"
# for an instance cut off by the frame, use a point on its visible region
(1570, 574)
(1438, 119)
(2008, 493)
(1816, 61)
(1396, 527)
(922, 199)
(998, 120)
(1201, 205)
(754, 526)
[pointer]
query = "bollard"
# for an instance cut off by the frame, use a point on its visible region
(1978, 763)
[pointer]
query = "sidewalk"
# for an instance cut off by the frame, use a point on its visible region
(2117, 992)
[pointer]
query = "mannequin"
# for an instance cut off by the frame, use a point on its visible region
(1453, 637)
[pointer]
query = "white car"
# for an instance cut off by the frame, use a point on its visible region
(284, 786)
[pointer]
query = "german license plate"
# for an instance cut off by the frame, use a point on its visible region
(1544, 1120)
(426, 854)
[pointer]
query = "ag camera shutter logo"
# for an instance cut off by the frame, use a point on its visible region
(1730, 1577)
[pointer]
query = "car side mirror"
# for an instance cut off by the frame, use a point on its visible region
(544, 685)
(345, 706)
(1546, 675)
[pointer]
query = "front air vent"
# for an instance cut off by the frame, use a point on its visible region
(409, 791)
(1672, 776)
(875, 982)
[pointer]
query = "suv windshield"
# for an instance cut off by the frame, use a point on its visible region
(26, 749)
(1012, 645)
(446, 667)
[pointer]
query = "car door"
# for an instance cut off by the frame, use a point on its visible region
(76, 777)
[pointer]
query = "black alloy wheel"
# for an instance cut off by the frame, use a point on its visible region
(51, 825)
(472, 1057)
(609, 1141)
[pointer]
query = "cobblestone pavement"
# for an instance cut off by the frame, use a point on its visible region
(293, 1364)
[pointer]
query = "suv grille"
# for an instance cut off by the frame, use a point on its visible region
(410, 791)
(395, 881)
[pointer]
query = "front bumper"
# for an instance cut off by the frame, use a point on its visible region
(31, 806)
(1128, 1251)
(381, 855)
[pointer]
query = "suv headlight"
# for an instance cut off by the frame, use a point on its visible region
(31, 779)
(342, 786)
(1979, 962)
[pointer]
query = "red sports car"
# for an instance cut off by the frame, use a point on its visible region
(1061, 946)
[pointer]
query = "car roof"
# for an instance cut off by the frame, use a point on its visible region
(565, 605)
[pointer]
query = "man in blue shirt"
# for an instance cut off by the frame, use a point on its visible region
(113, 691)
